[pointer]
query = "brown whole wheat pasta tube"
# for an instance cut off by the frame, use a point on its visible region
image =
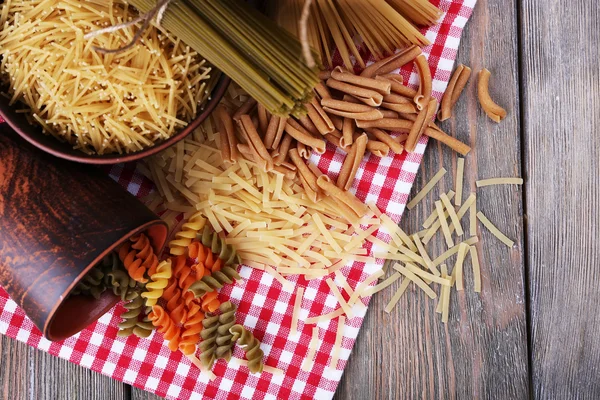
(404, 125)
(384, 137)
(357, 153)
(271, 131)
(288, 173)
(284, 148)
(244, 109)
(228, 141)
(371, 115)
(255, 142)
(455, 87)
(303, 150)
(295, 130)
(493, 110)
(312, 195)
(424, 94)
(263, 118)
(419, 126)
(335, 139)
(346, 168)
(391, 63)
(406, 108)
(347, 133)
(308, 125)
(361, 81)
(288, 165)
(319, 117)
(398, 87)
(314, 169)
(338, 122)
(280, 129)
(377, 148)
(324, 75)
(367, 96)
(389, 114)
(345, 106)
(359, 208)
(322, 91)
(303, 170)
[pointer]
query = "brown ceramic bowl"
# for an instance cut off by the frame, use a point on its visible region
(33, 133)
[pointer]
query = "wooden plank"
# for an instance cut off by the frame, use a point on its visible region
(482, 352)
(27, 373)
(139, 394)
(561, 86)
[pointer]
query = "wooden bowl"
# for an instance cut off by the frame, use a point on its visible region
(57, 221)
(34, 135)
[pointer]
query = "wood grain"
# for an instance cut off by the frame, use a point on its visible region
(27, 373)
(482, 352)
(561, 92)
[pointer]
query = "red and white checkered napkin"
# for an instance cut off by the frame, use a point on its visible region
(264, 306)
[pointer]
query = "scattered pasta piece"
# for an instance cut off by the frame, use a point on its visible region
(335, 355)
(396, 297)
(284, 282)
(458, 267)
(493, 110)
(426, 189)
(418, 281)
(374, 289)
(499, 181)
(476, 269)
(444, 223)
(450, 252)
(296, 312)
(494, 230)
(336, 292)
(312, 349)
(325, 317)
(452, 214)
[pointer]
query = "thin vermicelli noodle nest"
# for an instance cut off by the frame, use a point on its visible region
(99, 103)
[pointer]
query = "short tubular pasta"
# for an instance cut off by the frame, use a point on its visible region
(187, 233)
(159, 281)
(246, 340)
(493, 110)
(455, 87)
(165, 325)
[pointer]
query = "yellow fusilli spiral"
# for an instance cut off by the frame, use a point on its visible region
(188, 232)
(218, 247)
(217, 280)
(208, 345)
(224, 337)
(246, 340)
(159, 282)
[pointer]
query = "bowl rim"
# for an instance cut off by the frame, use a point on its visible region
(217, 93)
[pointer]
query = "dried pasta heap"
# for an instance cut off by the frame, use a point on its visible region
(114, 103)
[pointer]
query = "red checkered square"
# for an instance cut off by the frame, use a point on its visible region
(264, 305)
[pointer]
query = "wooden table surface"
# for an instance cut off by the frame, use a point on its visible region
(533, 331)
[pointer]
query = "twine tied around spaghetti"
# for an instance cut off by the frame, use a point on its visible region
(145, 19)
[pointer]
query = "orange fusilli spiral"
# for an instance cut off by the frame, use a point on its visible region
(133, 265)
(175, 303)
(209, 302)
(171, 332)
(190, 335)
(206, 264)
(203, 255)
(145, 253)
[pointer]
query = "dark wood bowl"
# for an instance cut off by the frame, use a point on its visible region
(34, 135)
(57, 221)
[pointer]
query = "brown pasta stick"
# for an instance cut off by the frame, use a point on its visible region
(367, 96)
(303, 170)
(391, 63)
(347, 133)
(263, 118)
(283, 149)
(271, 131)
(280, 128)
(419, 126)
(338, 122)
(312, 194)
(389, 114)
(295, 130)
(398, 87)
(377, 148)
(424, 94)
(384, 137)
(302, 150)
(244, 109)
(322, 91)
(324, 75)
(308, 125)
(455, 87)
(335, 139)
(315, 170)
(407, 108)
(345, 106)
(403, 125)
(357, 206)
(346, 168)
(261, 155)
(228, 141)
(361, 81)
(360, 145)
(493, 110)
(371, 115)
(288, 173)
(319, 117)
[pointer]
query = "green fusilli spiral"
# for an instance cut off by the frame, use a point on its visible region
(217, 280)
(208, 345)
(224, 337)
(218, 247)
(246, 340)
(131, 318)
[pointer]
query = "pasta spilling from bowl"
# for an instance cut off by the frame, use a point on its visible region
(99, 103)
